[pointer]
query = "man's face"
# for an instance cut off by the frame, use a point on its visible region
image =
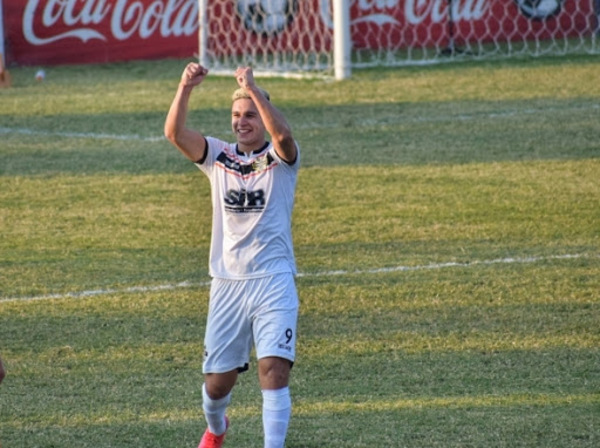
(247, 125)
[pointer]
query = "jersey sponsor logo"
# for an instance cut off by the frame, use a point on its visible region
(243, 201)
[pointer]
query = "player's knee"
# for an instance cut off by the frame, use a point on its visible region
(216, 392)
(274, 373)
(218, 386)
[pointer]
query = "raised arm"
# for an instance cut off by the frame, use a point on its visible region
(191, 143)
(274, 121)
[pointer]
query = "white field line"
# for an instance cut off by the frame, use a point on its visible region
(186, 284)
(364, 122)
(451, 264)
(100, 292)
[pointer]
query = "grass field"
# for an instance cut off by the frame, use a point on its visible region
(447, 231)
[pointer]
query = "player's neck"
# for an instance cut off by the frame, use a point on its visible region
(250, 150)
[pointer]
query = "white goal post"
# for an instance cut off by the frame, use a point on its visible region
(277, 37)
(331, 37)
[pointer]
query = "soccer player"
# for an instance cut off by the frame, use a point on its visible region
(253, 298)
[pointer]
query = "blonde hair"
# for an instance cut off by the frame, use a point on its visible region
(242, 93)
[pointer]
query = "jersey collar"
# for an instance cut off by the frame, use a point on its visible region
(255, 152)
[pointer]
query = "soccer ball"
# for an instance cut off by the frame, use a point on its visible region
(267, 16)
(539, 9)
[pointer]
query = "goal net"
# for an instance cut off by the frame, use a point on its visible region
(281, 37)
(290, 37)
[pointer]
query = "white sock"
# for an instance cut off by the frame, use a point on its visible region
(277, 410)
(214, 412)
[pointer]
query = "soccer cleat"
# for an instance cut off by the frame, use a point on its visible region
(210, 440)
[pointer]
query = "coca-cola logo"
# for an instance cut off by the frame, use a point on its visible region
(373, 11)
(102, 19)
(416, 12)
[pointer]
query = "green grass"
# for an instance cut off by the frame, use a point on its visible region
(446, 228)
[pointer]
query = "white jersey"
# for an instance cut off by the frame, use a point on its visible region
(252, 200)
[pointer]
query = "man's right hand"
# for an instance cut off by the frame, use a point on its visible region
(193, 74)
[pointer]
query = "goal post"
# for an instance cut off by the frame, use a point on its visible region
(333, 37)
(342, 39)
(203, 33)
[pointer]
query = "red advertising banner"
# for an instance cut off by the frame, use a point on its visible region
(47, 32)
(404, 23)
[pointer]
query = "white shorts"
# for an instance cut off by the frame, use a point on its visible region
(261, 312)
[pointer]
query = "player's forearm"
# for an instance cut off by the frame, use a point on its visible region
(276, 125)
(177, 115)
(281, 133)
(190, 143)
